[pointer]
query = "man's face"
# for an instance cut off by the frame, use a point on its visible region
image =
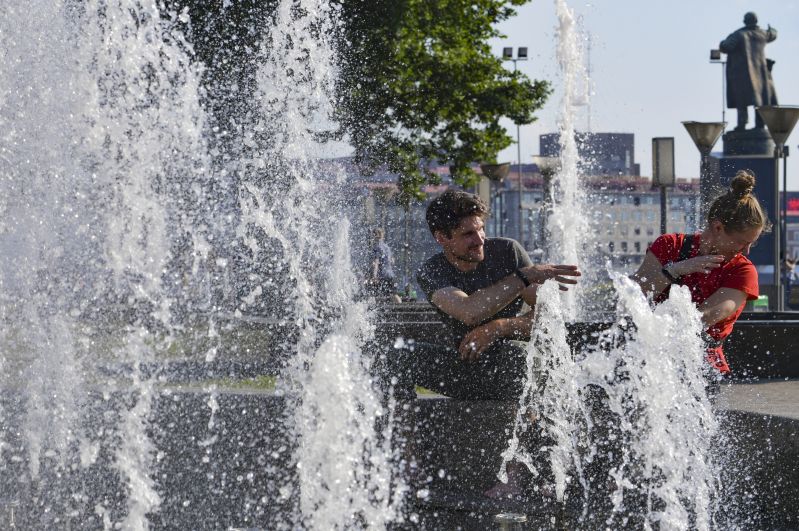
(466, 242)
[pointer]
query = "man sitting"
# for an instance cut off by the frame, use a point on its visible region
(479, 287)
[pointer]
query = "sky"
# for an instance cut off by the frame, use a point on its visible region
(650, 69)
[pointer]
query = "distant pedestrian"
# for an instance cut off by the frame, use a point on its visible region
(380, 279)
(788, 277)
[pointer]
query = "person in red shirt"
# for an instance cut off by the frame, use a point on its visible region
(712, 264)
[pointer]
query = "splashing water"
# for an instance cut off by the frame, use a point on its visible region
(148, 150)
(104, 172)
(36, 309)
(113, 215)
(567, 228)
(627, 422)
(343, 462)
(674, 451)
(654, 406)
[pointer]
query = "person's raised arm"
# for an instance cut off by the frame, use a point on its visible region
(650, 276)
(654, 277)
(722, 304)
(481, 305)
(771, 33)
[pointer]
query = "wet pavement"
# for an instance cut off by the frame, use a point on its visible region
(779, 398)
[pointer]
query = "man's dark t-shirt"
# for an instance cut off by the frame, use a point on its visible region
(502, 257)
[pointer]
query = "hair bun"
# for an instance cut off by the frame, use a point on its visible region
(743, 183)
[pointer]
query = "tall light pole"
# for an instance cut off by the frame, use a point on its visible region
(521, 55)
(548, 167)
(780, 121)
(495, 173)
(784, 241)
(705, 135)
(715, 57)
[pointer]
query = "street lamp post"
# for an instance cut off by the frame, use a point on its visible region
(715, 57)
(521, 55)
(784, 241)
(495, 173)
(705, 135)
(548, 167)
(780, 121)
(663, 172)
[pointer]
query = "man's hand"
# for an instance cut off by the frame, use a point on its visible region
(538, 274)
(697, 264)
(477, 340)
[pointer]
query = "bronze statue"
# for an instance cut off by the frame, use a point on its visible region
(749, 79)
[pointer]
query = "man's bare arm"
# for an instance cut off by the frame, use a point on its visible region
(473, 309)
(483, 304)
(479, 339)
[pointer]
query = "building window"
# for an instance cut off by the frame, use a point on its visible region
(637, 246)
(650, 231)
(611, 246)
(637, 231)
(624, 247)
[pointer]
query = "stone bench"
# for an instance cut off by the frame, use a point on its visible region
(762, 345)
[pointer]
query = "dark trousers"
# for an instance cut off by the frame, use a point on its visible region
(743, 118)
(498, 374)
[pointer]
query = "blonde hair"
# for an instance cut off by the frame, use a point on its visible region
(739, 210)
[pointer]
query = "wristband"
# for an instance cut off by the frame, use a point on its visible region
(524, 278)
(669, 276)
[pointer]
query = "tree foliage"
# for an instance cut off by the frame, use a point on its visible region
(420, 83)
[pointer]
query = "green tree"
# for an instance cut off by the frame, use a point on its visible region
(419, 84)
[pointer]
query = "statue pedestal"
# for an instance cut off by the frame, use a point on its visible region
(722, 168)
(750, 142)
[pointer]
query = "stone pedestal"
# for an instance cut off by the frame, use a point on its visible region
(750, 142)
(753, 150)
(722, 169)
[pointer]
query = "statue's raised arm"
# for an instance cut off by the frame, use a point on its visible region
(749, 79)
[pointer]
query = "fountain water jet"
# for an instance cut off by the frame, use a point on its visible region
(343, 463)
(116, 223)
(628, 422)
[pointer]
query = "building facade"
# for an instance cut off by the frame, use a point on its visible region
(623, 212)
(601, 154)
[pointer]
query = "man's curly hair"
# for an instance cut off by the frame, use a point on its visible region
(447, 210)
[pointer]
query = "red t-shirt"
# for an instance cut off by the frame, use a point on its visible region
(738, 273)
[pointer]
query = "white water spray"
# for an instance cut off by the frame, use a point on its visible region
(102, 127)
(568, 230)
(343, 463)
(147, 147)
(643, 391)
(653, 383)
